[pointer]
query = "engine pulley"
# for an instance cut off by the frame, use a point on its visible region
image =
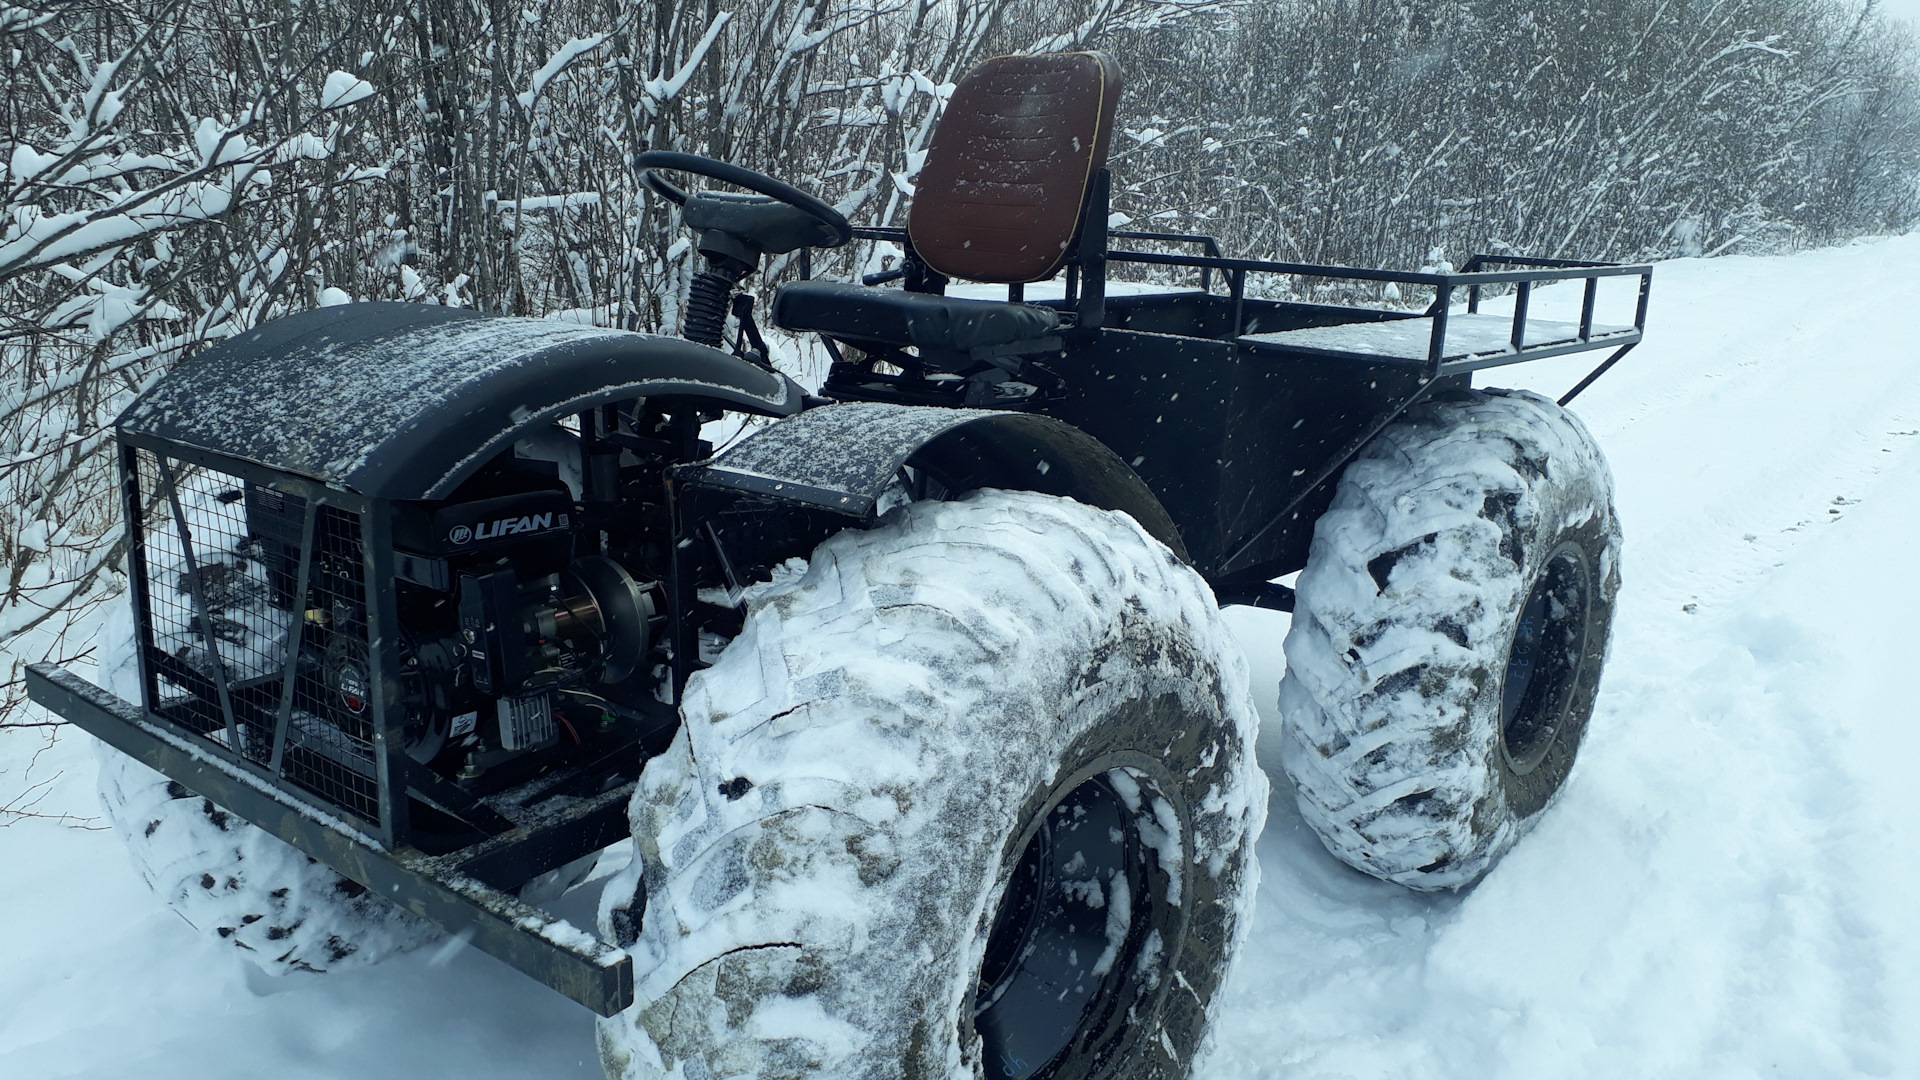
(614, 606)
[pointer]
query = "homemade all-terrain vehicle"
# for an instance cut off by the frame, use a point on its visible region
(915, 700)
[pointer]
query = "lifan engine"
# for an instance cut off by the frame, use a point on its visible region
(506, 628)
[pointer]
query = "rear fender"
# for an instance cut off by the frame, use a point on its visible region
(841, 458)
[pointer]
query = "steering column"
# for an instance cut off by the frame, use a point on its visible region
(736, 229)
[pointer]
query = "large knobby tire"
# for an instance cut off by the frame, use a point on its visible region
(972, 795)
(283, 910)
(1448, 636)
(230, 879)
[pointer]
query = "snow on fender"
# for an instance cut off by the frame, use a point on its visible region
(990, 747)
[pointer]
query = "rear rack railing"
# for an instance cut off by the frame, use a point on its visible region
(1524, 274)
(1209, 247)
(1473, 279)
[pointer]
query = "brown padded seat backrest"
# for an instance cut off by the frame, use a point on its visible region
(999, 196)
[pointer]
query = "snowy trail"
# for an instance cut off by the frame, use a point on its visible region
(1771, 413)
(1726, 889)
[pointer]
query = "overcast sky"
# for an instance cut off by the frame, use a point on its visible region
(1902, 9)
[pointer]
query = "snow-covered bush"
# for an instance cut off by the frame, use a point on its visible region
(162, 182)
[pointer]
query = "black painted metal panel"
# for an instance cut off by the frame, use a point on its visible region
(1229, 437)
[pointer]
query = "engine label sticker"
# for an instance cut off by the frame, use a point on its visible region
(464, 724)
(511, 526)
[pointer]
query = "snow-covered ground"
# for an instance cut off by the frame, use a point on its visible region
(1727, 888)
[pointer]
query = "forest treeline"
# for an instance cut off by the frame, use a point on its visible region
(1377, 131)
(179, 170)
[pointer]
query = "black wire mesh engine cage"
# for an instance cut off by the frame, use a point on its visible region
(259, 601)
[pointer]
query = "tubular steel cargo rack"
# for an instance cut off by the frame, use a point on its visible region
(1524, 337)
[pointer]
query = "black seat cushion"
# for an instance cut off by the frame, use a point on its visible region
(895, 317)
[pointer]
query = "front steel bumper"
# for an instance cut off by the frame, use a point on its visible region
(463, 893)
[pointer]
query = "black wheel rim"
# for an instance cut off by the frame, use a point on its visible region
(1066, 939)
(1545, 661)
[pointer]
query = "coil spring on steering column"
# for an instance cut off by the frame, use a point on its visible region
(706, 314)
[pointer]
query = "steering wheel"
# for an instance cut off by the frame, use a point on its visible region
(761, 220)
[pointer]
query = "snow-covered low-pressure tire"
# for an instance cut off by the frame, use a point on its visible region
(972, 795)
(230, 879)
(1448, 636)
(225, 877)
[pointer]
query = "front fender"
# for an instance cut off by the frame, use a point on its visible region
(404, 401)
(842, 457)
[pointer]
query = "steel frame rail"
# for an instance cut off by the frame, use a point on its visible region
(451, 891)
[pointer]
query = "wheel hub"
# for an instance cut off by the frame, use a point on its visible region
(1545, 661)
(1065, 939)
